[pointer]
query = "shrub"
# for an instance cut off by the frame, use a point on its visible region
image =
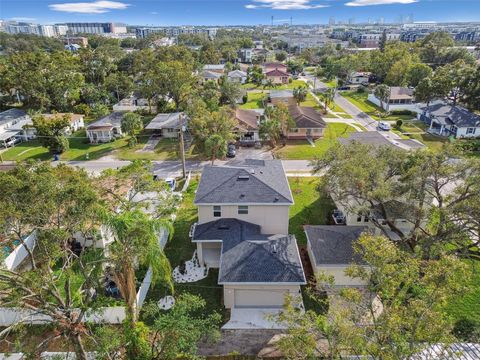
(245, 98)
(467, 330)
(399, 123)
(290, 80)
(361, 89)
(403, 112)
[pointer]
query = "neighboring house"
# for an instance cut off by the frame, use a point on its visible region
(400, 98)
(237, 76)
(218, 68)
(167, 125)
(12, 123)
(133, 103)
(105, 129)
(447, 120)
(242, 229)
(360, 78)
(330, 249)
(248, 124)
(245, 55)
(277, 76)
(281, 96)
(76, 121)
(208, 75)
(376, 139)
(274, 66)
(308, 123)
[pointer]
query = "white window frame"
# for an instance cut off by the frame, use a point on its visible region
(217, 209)
(242, 209)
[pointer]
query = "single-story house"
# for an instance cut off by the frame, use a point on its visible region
(447, 120)
(12, 123)
(274, 66)
(106, 128)
(237, 76)
(330, 249)
(76, 121)
(242, 229)
(359, 77)
(218, 68)
(208, 75)
(401, 98)
(308, 123)
(248, 124)
(376, 139)
(167, 125)
(277, 76)
(281, 96)
(133, 103)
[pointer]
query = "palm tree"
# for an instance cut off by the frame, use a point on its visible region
(382, 93)
(328, 97)
(300, 94)
(136, 243)
(269, 84)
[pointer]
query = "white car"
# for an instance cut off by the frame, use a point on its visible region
(382, 125)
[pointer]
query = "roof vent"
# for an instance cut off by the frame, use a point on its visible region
(274, 248)
(252, 171)
(243, 177)
(242, 195)
(276, 199)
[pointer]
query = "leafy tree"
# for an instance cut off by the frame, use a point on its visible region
(270, 130)
(382, 93)
(398, 73)
(400, 313)
(425, 91)
(210, 94)
(281, 56)
(281, 114)
(120, 84)
(383, 41)
(255, 75)
(328, 96)
(471, 89)
(230, 92)
(294, 67)
(175, 80)
(431, 192)
(452, 78)
(417, 72)
(132, 124)
(215, 147)
(300, 94)
(269, 83)
(209, 54)
(432, 45)
(51, 132)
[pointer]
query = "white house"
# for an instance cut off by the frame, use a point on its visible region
(447, 120)
(133, 103)
(237, 76)
(242, 229)
(12, 123)
(359, 78)
(400, 98)
(167, 125)
(106, 129)
(76, 121)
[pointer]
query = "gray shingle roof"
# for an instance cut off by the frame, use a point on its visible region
(113, 119)
(253, 182)
(10, 115)
(333, 244)
(306, 117)
(453, 115)
(211, 75)
(165, 121)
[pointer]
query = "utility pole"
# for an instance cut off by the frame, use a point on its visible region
(182, 146)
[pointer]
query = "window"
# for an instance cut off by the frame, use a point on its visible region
(359, 218)
(470, 130)
(217, 211)
(242, 210)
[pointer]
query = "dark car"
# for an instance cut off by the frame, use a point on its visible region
(231, 151)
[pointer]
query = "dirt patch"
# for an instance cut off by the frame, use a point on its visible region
(240, 342)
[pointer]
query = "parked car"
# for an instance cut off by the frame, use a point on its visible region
(382, 125)
(12, 141)
(231, 151)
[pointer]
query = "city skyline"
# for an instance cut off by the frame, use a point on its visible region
(237, 12)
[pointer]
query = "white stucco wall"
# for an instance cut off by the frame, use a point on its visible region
(259, 295)
(273, 219)
(391, 107)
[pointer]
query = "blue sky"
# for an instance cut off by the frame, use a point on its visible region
(231, 12)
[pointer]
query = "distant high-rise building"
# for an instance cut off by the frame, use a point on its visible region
(96, 28)
(14, 27)
(351, 21)
(381, 20)
(331, 21)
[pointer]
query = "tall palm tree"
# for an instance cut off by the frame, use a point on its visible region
(382, 93)
(328, 97)
(137, 243)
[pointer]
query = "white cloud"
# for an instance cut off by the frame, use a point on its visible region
(96, 7)
(284, 4)
(378, 2)
(154, 13)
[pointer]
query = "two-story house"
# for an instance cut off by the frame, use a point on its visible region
(242, 229)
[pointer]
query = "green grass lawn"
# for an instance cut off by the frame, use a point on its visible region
(255, 100)
(292, 85)
(468, 305)
(431, 141)
(311, 102)
(360, 101)
(302, 150)
(313, 205)
(179, 248)
(331, 83)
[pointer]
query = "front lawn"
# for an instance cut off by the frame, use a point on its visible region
(291, 85)
(311, 102)
(180, 248)
(255, 100)
(359, 99)
(313, 205)
(302, 150)
(431, 141)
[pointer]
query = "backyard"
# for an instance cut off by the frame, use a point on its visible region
(303, 150)
(255, 100)
(291, 85)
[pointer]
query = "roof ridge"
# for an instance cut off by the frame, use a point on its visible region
(228, 179)
(276, 258)
(263, 182)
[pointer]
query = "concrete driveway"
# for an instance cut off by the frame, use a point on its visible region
(244, 153)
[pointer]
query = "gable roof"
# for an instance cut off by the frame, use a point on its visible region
(73, 117)
(10, 115)
(274, 65)
(276, 72)
(248, 119)
(306, 117)
(166, 121)
(113, 119)
(214, 67)
(333, 244)
(211, 75)
(252, 182)
(453, 115)
(237, 74)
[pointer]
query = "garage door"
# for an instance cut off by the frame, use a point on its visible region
(270, 299)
